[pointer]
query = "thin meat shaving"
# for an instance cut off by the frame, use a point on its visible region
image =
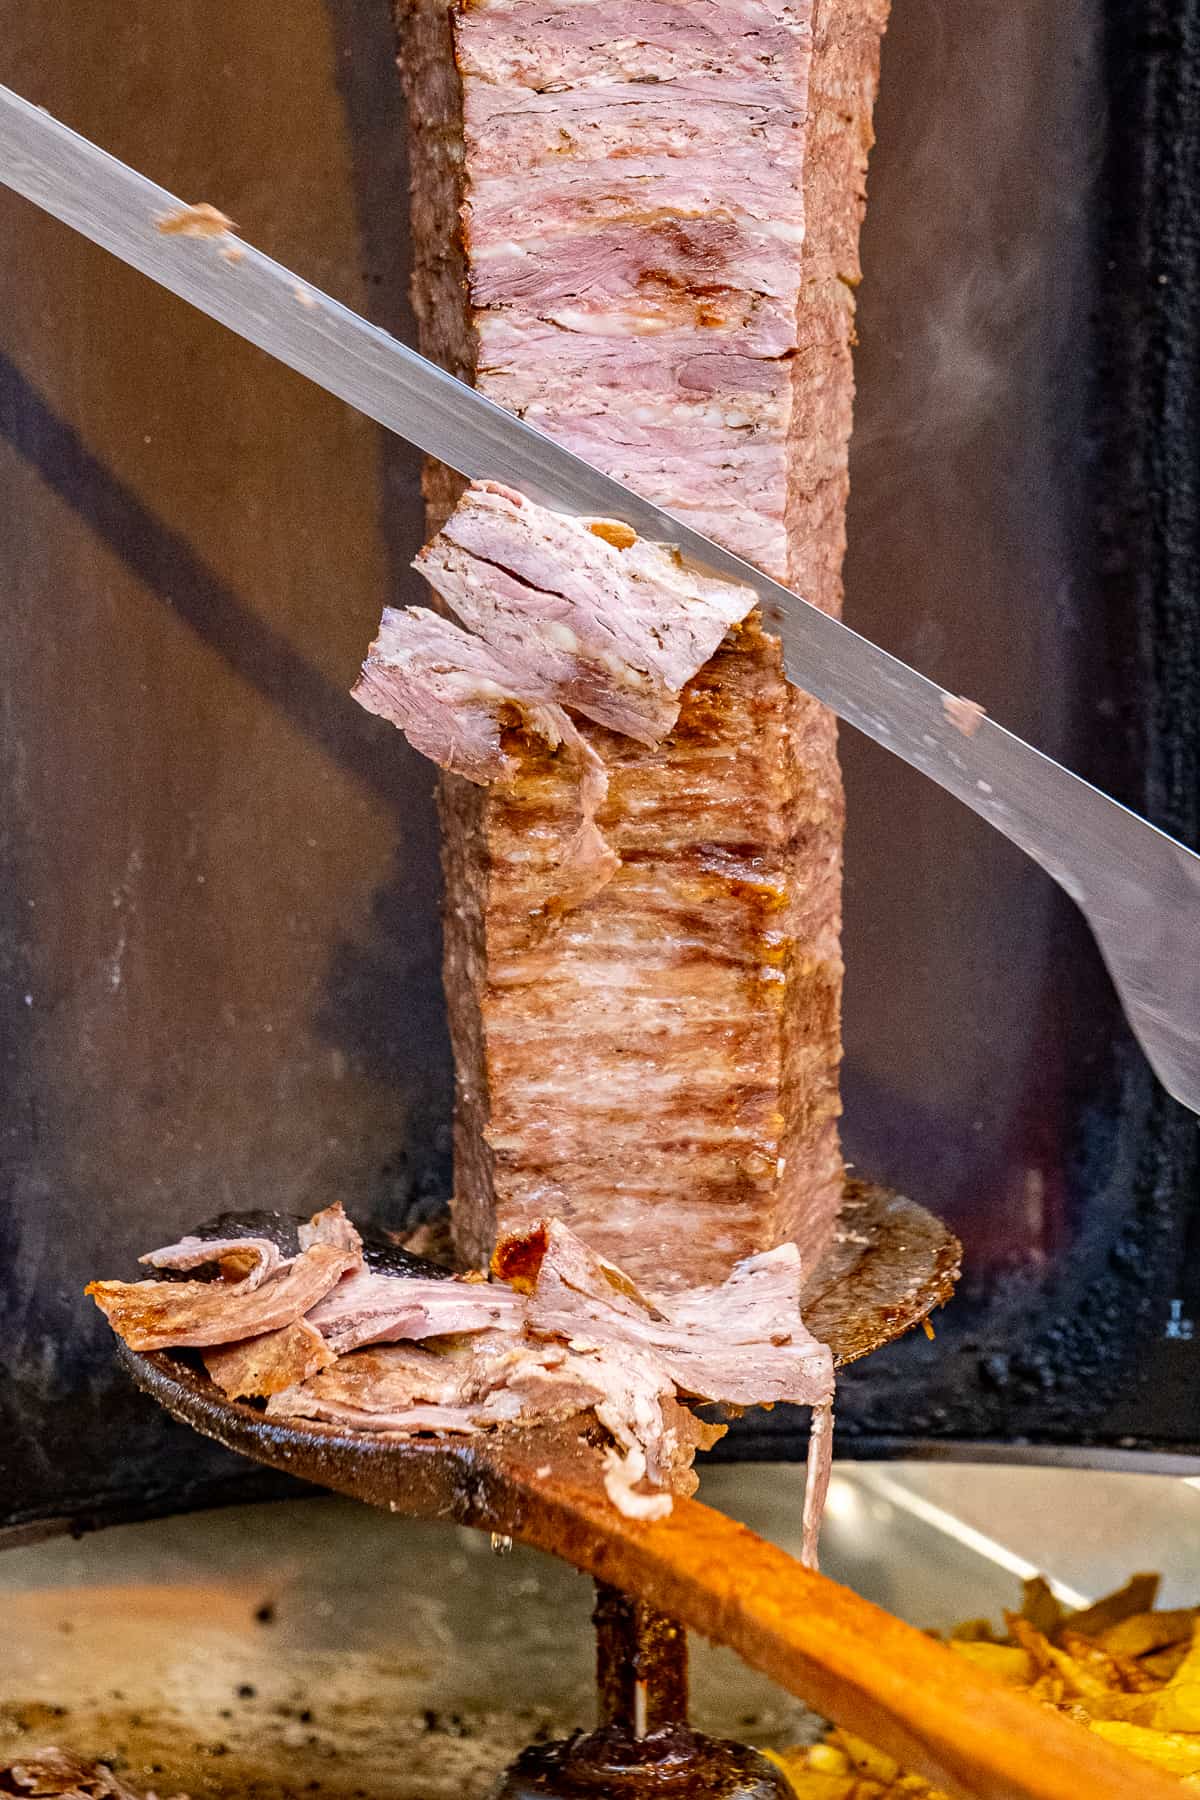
(464, 706)
(247, 1260)
(742, 1342)
(164, 1315)
(258, 1289)
(558, 1332)
(368, 1308)
(560, 613)
(268, 1364)
(595, 617)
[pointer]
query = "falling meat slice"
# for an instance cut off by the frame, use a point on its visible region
(563, 612)
(591, 615)
(165, 1315)
(264, 1365)
(816, 1484)
(456, 700)
(370, 1308)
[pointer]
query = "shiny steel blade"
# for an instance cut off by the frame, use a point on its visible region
(1139, 889)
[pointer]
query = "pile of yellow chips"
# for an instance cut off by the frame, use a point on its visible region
(1126, 1672)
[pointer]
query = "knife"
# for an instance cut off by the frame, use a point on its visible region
(1138, 888)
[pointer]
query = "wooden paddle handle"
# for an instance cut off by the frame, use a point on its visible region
(937, 1714)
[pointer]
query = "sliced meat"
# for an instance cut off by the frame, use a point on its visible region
(59, 1773)
(639, 230)
(591, 615)
(743, 1343)
(567, 612)
(635, 1388)
(561, 1331)
(462, 705)
(265, 1365)
(331, 1227)
(404, 1422)
(530, 1382)
(453, 696)
(166, 1315)
(367, 1308)
(248, 1260)
(404, 1387)
(387, 1379)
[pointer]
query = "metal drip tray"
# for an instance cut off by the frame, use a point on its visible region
(322, 1647)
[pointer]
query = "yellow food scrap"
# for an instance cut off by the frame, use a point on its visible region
(1002, 1660)
(202, 221)
(1177, 1752)
(1120, 1669)
(1147, 1631)
(1109, 1614)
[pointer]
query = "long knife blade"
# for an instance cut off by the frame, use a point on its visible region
(1139, 889)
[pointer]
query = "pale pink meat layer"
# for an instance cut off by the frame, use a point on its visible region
(655, 261)
(588, 614)
(471, 710)
(562, 613)
(249, 1260)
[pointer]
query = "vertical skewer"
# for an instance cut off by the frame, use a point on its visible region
(641, 1664)
(643, 1745)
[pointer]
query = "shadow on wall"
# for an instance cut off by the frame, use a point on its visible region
(364, 1005)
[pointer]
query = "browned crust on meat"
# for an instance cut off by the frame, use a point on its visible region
(440, 299)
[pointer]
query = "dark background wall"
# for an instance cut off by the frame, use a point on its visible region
(217, 900)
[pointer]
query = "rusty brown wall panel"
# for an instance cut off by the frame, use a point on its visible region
(218, 884)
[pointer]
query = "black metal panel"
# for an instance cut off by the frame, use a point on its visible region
(218, 884)
(1086, 1330)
